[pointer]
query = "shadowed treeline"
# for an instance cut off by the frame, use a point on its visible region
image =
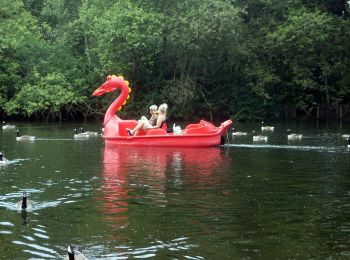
(208, 59)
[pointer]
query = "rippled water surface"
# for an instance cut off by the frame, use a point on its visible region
(274, 200)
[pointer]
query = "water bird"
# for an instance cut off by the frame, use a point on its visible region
(346, 136)
(238, 133)
(24, 137)
(24, 203)
(266, 128)
(80, 135)
(88, 132)
(259, 138)
(74, 253)
(7, 127)
(294, 136)
(3, 159)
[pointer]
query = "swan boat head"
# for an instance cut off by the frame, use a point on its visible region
(112, 84)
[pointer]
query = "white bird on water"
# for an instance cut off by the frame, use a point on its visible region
(294, 136)
(93, 134)
(24, 137)
(24, 203)
(259, 138)
(74, 253)
(80, 135)
(8, 127)
(238, 133)
(3, 159)
(266, 128)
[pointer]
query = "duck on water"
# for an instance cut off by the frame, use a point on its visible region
(291, 136)
(24, 137)
(234, 133)
(24, 203)
(80, 135)
(3, 159)
(88, 132)
(266, 128)
(259, 138)
(74, 253)
(7, 127)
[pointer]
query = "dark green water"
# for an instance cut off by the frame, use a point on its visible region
(274, 200)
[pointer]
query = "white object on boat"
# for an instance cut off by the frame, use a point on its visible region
(177, 130)
(266, 128)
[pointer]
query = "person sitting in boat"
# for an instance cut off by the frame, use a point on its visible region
(145, 125)
(153, 118)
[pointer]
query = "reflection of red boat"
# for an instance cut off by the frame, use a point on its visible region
(147, 175)
(203, 134)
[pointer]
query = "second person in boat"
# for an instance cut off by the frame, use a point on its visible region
(146, 125)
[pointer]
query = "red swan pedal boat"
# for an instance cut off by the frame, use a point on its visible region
(203, 134)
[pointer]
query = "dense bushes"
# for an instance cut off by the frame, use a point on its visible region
(244, 59)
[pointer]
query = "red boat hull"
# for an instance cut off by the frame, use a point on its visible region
(203, 134)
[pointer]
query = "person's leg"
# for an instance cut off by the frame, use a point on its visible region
(136, 128)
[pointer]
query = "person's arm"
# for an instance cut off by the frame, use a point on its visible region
(151, 119)
(160, 120)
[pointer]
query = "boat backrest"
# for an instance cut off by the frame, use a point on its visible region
(164, 125)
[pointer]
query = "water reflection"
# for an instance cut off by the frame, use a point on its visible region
(147, 179)
(140, 174)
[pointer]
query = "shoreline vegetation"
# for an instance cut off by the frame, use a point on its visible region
(246, 60)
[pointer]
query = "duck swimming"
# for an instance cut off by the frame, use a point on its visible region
(266, 128)
(238, 133)
(294, 136)
(259, 138)
(88, 132)
(3, 159)
(346, 136)
(8, 127)
(80, 135)
(74, 253)
(24, 203)
(24, 137)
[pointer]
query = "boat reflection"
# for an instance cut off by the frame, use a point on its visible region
(144, 175)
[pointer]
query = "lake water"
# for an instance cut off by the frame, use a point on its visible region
(245, 200)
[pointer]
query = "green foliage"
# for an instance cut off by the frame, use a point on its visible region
(19, 47)
(222, 58)
(47, 98)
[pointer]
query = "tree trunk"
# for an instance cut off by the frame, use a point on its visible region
(294, 112)
(211, 115)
